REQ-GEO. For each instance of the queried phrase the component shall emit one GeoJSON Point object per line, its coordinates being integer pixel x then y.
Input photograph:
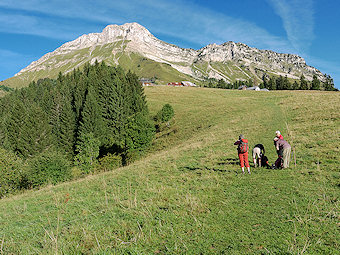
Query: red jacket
{"type": "Point", "coordinates": [238, 142]}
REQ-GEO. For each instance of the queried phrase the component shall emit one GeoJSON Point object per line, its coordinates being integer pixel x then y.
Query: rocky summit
{"type": "Point", "coordinates": [134, 47]}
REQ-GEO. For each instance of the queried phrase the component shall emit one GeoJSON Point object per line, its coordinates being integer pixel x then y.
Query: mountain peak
{"type": "Point", "coordinates": [126, 30]}
{"type": "Point", "coordinates": [228, 61]}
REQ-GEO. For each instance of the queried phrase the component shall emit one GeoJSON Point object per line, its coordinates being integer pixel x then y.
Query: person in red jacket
{"type": "Point", "coordinates": [278, 134]}
{"type": "Point", "coordinates": [242, 150]}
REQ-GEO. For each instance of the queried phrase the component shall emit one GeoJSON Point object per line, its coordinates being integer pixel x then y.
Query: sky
{"type": "Point", "coordinates": [310, 28]}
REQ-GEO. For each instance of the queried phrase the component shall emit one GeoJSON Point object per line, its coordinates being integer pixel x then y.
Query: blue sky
{"type": "Point", "coordinates": [309, 28]}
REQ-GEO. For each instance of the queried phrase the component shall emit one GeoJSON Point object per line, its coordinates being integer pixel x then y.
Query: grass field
{"type": "Point", "coordinates": [188, 195]}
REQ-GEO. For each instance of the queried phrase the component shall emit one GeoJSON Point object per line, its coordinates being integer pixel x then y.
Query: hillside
{"type": "Point", "coordinates": [135, 48]}
{"type": "Point", "coordinates": [190, 197]}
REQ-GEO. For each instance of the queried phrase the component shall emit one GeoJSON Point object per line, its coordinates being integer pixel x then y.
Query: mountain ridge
{"type": "Point", "coordinates": [229, 61]}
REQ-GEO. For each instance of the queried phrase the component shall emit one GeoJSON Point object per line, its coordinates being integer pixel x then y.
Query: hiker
{"type": "Point", "coordinates": [258, 152]}
{"type": "Point", "coordinates": [242, 149]}
{"type": "Point", "coordinates": [283, 148]}
{"type": "Point", "coordinates": [278, 134]}
{"type": "Point", "coordinates": [278, 164]}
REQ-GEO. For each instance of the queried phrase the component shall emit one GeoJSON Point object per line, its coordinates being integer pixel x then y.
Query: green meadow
{"type": "Point", "coordinates": [188, 196]}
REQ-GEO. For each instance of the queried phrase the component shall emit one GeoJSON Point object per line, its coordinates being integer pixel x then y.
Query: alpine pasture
{"type": "Point", "coordinates": [188, 196]}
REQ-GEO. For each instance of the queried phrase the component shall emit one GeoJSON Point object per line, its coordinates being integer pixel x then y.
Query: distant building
{"type": "Point", "coordinates": [147, 81]}
{"type": "Point", "coordinates": [188, 84]}
{"type": "Point", "coordinates": [179, 84]}
{"type": "Point", "coordinates": [146, 84]}
{"type": "Point", "coordinates": [256, 88]}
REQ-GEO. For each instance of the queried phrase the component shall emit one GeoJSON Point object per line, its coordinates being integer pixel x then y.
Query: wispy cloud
{"type": "Point", "coordinates": [14, 61]}
{"type": "Point", "coordinates": [40, 26]}
{"type": "Point", "coordinates": [7, 53]}
{"type": "Point", "coordinates": [178, 18]}
{"type": "Point", "coordinates": [298, 20]}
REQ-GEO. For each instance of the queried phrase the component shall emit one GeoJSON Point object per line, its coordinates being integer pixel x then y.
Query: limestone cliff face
{"type": "Point", "coordinates": [237, 58]}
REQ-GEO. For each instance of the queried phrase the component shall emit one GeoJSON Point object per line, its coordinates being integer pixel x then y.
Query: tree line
{"type": "Point", "coordinates": [87, 117]}
{"type": "Point", "coordinates": [276, 83]}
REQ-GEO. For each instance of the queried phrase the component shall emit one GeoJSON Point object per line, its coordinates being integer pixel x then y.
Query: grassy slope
{"type": "Point", "coordinates": [190, 197]}
{"type": "Point", "coordinates": [142, 66]}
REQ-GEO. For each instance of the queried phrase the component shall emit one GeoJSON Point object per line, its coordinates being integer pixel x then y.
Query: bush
{"type": "Point", "coordinates": [132, 156]}
{"type": "Point", "coordinates": [49, 167]}
{"type": "Point", "coordinates": [11, 173]}
{"type": "Point", "coordinates": [163, 118]}
{"type": "Point", "coordinates": [109, 162]}
{"type": "Point", "coordinates": [165, 114]}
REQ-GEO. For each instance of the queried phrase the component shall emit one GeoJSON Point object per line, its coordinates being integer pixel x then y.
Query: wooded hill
{"type": "Point", "coordinates": [79, 117]}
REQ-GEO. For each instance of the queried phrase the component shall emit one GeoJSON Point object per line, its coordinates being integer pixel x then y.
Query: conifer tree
{"type": "Point", "coordinates": [138, 102]}
{"type": "Point", "coordinates": [315, 83]}
{"type": "Point", "coordinates": [67, 127]}
{"type": "Point", "coordinates": [28, 130]}
{"type": "Point", "coordinates": [303, 83]}
{"type": "Point", "coordinates": [295, 85]}
{"type": "Point", "coordinates": [87, 149]}
{"type": "Point", "coordinates": [139, 133]}
{"type": "Point", "coordinates": [279, 83]}
{"type": "Point", "coordinates": [286, 83]}
{"type": "Point", "coordinates": [271, 84]}
{"type": "Point", "coordinates": [13, 121]}
{"type": "Point", "coordinates": [91, 116]}
{"type": "Point", "coordinates": [329, 84]}
{"type": "Point", "coordinates": [265, 82]}
{"type": "Point", "coordinates": [81, 86]}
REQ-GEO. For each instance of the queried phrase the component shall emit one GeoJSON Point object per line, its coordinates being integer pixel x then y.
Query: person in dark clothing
{"type": "Point", "coordinates": [278, 163]}
{"type": "Point", "coordinates": [284, 147]}
{"type": "Point", "coordinates": [264, 162]}
{"type": "Point", "coordinates": [258, 151]}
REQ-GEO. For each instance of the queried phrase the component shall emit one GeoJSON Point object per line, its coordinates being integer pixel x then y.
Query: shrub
{"type": "Point", "coordinates": [48, 167]}
{"type": "Point", "coordinates": [165, 114]}
{"type": "Point", "coordinates": [11, 173]}
{"type": "Point", "coordinates": [132, 156]}
{"type": "Point", "coordinates": [109, 162]}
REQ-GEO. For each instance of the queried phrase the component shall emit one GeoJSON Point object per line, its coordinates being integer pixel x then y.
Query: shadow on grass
{"type": "Point", "coordinates": [215, 169]}
{"type": "Point", "coordinates": [229, 161]}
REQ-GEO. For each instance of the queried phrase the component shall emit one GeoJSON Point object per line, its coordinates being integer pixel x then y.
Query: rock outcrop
{"type": "Point", "coordinates": [238, 60]}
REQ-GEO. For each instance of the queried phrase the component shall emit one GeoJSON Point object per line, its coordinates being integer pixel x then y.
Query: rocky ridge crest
{"type": "Point", "coordinates": [136, 38]}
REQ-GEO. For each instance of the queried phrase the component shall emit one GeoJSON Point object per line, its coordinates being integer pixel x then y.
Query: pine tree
{"type": "Point", "coordinates": [303, 83]}
{"type": "Point", "coordinates": [286, 84]}
{"type": "Point", "coordinates": [67, 128]}
{"type": "Point", "coordinates": [81, 87]}
{"type": "Point", "coordinates": [271, 84]}
{"type": "Point", "coordinates": [138, 102]}
{"type": "Point", "coordinates": [28, 130]}
{"type": "Point", "coordinates": [328, 84]}
{"type": "Point", "coordinates": [139, 133]}
{"type": "Point", "coordinates": [315, 83]}
{"type": "Point", "coordinates": [91, 116]}
{"type": "Point", "coordinates": [295, 85]}
{"type": "Point", "coordinates": [279, 83]}
{"type": "Point", "coordinates": [264, 81]}
{"type": "Point", "coordinates": [13, 121]}
{"type": "Point", "coordinates": [87, 149]}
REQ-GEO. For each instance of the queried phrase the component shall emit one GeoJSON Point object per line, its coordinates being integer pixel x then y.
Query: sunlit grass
{"type": "Point", "coordinates": [188, 196]}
